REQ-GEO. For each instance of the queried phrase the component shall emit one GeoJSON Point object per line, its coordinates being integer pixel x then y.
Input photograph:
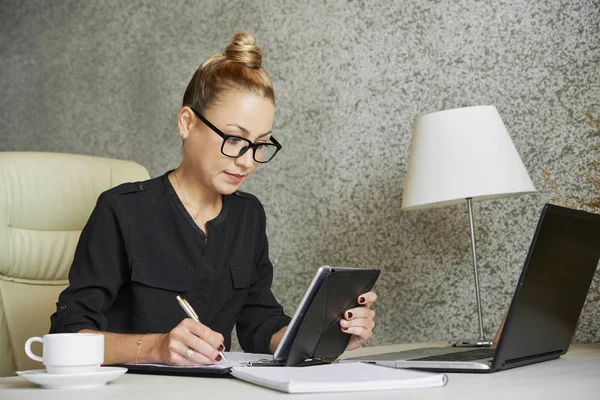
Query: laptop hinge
{"type": "Point", "coordinates": [537, 357]}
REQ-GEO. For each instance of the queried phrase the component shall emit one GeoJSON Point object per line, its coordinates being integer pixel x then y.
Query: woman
{"type": "Point", "coordinates": [190, 232]}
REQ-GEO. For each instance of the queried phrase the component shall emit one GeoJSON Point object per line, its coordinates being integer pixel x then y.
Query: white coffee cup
{"type": "Point", "coordinates": [69, 353]}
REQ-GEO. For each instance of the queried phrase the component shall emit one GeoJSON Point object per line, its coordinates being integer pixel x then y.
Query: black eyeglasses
{"type": "Point", "coordinates": [235, 146]}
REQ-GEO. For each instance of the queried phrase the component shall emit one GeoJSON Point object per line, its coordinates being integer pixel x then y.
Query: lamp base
{"type": "Point", "coordinates": [470, 343]}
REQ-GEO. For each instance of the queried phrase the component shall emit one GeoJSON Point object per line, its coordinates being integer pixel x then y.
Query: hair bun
{"type": "Point", "coordinates": [243, 49]}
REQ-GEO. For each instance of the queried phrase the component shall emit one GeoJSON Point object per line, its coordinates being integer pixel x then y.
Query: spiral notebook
{"type": "Point", "coordinates": [350, 377]}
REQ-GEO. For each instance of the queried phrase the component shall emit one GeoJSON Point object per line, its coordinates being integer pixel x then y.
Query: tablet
{"type": "Point", "coordinates": [314, 331]}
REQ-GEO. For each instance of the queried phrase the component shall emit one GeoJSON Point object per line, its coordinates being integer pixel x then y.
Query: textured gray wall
{"type": "Point", "coordinates": [106, 78]}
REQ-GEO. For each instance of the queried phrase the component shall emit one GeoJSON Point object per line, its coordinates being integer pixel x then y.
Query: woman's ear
{"type": "Point", "coordinates": [185, 122]}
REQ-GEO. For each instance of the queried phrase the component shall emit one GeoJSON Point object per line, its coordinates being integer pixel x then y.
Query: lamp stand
{"type": "Point", "coordinates": [481, 342]}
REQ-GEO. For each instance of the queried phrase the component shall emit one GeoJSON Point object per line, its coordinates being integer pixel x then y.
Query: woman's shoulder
{"type": "Point", "coordinates": [136, 187]}
{"type": "Point", "coordinates": [245, 195]}
{"type": "Point", "coordinates": [130, 194]}
{"type": "Point", "coordinates": [246, 201]}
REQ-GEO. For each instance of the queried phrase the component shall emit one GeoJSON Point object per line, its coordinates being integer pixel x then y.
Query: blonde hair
{"type": "Point", "coordinates": [238, 68]}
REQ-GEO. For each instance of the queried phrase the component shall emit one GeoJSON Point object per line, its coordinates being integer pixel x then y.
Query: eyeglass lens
{"type": "Point", "coordinates": [235, 147]}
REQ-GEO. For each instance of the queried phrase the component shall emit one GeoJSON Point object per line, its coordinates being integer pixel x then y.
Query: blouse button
{"type": "Point", "coordinates": [63, 307]}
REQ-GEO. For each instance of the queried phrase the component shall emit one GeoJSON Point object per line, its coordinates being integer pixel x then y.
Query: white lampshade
{"type": "Point", "coordinates": [459, 154]}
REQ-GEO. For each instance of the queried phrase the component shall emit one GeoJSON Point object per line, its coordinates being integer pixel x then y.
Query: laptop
{"type": "Point", "coordinates": [545, 307]}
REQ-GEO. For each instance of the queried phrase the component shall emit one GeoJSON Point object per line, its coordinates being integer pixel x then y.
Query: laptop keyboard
{"type": "Point", "coordinates": [467, 355]}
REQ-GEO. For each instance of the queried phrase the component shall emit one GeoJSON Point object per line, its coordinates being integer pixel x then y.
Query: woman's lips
{"type": "Point", "coordinates": [235, 177]}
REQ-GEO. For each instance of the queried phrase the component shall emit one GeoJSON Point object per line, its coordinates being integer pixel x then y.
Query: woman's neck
{"type": "Point", "coordinates": [195, 196]}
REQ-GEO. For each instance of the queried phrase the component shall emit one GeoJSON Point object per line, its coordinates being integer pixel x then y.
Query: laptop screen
{"type": "Point", "coordinates": [553, 286]}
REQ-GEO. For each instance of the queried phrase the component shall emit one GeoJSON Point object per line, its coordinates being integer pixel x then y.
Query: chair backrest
{"type": "Point", "coordinates": [45, 200]}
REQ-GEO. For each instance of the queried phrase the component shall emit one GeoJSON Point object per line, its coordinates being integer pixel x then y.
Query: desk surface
{"type": "Point", "coordinates": [575, 375]}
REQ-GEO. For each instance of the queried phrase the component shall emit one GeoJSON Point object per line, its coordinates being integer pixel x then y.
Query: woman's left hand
{"type": "Point", "coordinates": [359, 321]}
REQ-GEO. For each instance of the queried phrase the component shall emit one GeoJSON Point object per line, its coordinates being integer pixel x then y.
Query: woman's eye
{"type": "Point", "coordinates": [233, 140]}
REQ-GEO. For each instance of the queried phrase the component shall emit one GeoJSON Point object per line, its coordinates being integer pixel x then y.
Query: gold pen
{"type": "Point", "coordinates": [192, 314]}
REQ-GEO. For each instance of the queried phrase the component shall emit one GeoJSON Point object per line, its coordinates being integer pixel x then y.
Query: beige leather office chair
{"type": "Point", "coordinates": [45, 200]}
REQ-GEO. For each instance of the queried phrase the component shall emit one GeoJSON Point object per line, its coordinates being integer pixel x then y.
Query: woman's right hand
{"type": "Point", "coordinates": [189, 334]}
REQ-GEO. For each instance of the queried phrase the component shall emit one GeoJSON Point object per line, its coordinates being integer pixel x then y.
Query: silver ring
{"type": "Point", "coordinates": [189, 353]}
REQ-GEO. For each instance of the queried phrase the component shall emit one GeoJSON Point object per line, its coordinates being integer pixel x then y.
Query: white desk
{"type": "Point", "coordinates": [574, 376]}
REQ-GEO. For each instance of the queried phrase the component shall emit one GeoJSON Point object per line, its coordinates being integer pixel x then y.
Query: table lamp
{"type": "Point", "coordinates": [461, 156]}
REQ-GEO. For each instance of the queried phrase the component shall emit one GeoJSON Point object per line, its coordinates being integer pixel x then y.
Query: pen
{"type": "Point", "coordinates": [192, 314]}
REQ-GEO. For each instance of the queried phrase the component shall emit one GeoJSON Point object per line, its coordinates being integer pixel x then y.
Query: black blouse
{"type": "Point", "coordinates": [140, 248]}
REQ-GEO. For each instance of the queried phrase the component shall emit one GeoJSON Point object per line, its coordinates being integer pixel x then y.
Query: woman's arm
{"type": "Point", "coordinates": [164, 348]}
{"type": "Point", "coordinates": [261, 314]}
{"type": "Point", "coordinates": [276, 339]}
{"type": "Point", "coordinates": [122, 348]}
{"type": "Point", "coordinates": [98, 272]}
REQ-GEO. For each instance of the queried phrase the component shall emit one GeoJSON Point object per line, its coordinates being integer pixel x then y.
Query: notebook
{"type": "Point", "coordinates": [545, 308]}
{"type": "Point", "coordinates": [337, 378]}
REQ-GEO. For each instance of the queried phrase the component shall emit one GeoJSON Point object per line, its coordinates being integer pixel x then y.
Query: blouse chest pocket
{"type": "Point", "coordinates": [174, 278]}
{"type": "Point", "coordinates": [240, 275]}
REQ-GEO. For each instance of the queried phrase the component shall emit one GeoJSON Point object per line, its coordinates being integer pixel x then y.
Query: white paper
{"type": "Point", "coordinates": [338, 378]}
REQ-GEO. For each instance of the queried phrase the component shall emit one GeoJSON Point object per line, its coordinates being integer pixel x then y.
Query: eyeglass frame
{"type": "Point", "coordinates": [251, 145]}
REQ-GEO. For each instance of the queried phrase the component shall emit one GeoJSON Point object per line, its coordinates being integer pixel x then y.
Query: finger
{"type": "Point", "coordinates": [360, 333]}
{"type": "Point", "coordinates": [202, 347]}
{"type": "Point", "coordinates": [197, 359]}
{"type": "Point", "coordinates": [214, 339]}
{"type": "Point", "coordinates": [367, 323]}
{"type": "Point", "coordinates": [367, 299]}
{"type": "Point", "coordinates": [177, 352]}
{"type": "Point", "coordinates": [187, 332]}
{"type": "Point", "coordinates": [359, 312]}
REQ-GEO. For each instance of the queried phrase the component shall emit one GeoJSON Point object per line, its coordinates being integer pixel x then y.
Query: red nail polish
{"type": "Point", "coordinates": [344, 329]}
{"type": "Point", "coordinates": [349, 314]}
{"type": "Point", "coordinates": [218, 358]}
{"type": "Point", "coordinates": [221, 348]}
{"type": "Point", "coordinates": [361, 300]}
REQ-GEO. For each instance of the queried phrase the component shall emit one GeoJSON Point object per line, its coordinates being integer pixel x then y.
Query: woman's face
{"type": "Point", "coordinates": [238, 113]}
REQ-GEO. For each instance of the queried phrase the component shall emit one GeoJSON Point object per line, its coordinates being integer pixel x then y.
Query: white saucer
{"type": "Point", "coordinates": [72, 381]}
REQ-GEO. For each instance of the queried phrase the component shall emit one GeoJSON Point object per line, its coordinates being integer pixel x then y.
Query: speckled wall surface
{"type": "Point", "coordinates": [106, 78]}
